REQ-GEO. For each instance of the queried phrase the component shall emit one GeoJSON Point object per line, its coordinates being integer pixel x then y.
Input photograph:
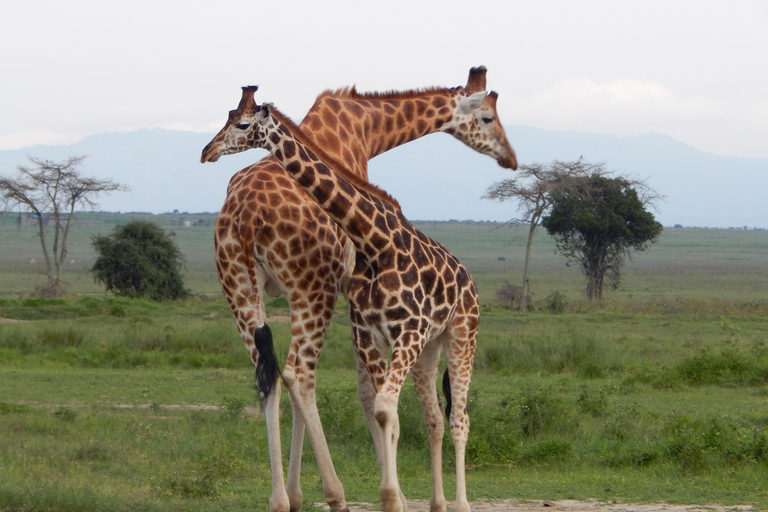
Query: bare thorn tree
{"type": "Point", "coordinates": [51, 191]}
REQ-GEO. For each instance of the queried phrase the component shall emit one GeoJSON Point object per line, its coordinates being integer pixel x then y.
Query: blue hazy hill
{"type": "Point", "coordinates": [434, 178]}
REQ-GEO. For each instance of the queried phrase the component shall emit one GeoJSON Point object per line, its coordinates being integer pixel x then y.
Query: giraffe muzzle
{"type": "Point", "coordinates": [509, 162]}
{"type": "Point", "coordinates": [209, 154]}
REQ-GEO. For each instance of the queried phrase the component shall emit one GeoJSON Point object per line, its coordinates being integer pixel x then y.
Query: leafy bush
{"type": "Point", "coordinates": [733, 365]}
{"type": "Point", "coordinates": [139, 260]}
{"type": "Point", "coordinates": [555, 302]}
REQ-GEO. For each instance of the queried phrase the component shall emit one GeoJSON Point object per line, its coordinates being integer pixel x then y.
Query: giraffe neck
{"type": "Point", "coordinates": [363, 126]}
{"type": "Point", "coordinates": [357, 206]}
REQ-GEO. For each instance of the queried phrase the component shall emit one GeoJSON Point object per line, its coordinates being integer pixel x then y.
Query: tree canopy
{"type": "Point", "coordinates": [535, 188]}
{"type": "Point", "coordinates": [597, 222]}
{"type": "Point", "coordinates": [140, 260]}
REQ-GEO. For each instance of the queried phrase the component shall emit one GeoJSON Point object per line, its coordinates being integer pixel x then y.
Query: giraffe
{"type": "Point", "coordinates": [272, 238]}
{"type": "Point", "coordinates": [408, 295]}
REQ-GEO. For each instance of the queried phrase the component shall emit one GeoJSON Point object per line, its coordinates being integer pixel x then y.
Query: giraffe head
{"type": "Point", "coordinates": [239, 133]}
{"type": "Point", "coordinates": [476, 123]}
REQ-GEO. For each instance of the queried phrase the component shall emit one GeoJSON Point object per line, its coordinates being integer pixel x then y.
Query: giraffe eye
{"type": "Point", "coordinates": [242, 126]}
{"type": "Point", "coordinates": [487, 120]}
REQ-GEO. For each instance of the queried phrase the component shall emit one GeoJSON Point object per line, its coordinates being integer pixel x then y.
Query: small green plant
{"type": "Point", "coordinates": [67, 338]}
{"type": "Point", "coordinates": [544, 411]}
{"type": "Point", "coordinates": [593, 402]}
{"type": "Point", "coordinates": [91, 453]}
{"type": "Point", "coordinates": [546, 451]}
{"type": "Point", "coordinates": [197, 485]}
{"type": "Point", "coordinates": [65, 414]}
{"type": "Point", "coordinates": [6, 408]}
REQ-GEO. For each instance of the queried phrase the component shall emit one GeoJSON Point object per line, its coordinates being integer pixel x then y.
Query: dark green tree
{"type": "Point", "coordinates": [535, 187]}
{"type": "Point", "coordinates": [140, 260]}
{"type": "Point", "coordinates": [597, 222]}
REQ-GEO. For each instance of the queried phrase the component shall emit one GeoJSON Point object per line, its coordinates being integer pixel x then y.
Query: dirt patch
{"type": "Point", "coordinates": [254, 412]}
{"type": "Point", "coordinates": [560, 506]}
{"type": "Point", "coordinates": [11, 321]}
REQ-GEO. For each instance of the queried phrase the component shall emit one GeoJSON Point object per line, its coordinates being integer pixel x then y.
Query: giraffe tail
{"type": "Point", "coordinates": [266, 366]}
{"type": "Point", "coordinates": [447, 393]}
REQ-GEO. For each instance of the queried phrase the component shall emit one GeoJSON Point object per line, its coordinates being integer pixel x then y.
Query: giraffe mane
{"type": "Point", "coordinates": [333, 164]}
{"type": "Point", "coordinates": [351, 92]}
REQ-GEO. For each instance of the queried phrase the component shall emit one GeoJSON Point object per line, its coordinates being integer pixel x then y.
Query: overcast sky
{"type": "Point", "coordinates": [695, 70]}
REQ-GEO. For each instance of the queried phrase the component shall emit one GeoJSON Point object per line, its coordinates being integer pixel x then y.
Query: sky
{"type": "Point", "coordinates": [695, 70]}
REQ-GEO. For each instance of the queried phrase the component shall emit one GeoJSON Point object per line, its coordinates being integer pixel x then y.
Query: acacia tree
{"type": "Point", "coordinates": [51, 191]}
{"type": "Point", "coordinates": [597, 222]}
{"type": "Point", "coordinates": [535, 187]}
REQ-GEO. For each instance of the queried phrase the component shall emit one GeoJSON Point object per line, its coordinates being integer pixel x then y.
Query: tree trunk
{"type": "Point", "coordinates": [524, 294]}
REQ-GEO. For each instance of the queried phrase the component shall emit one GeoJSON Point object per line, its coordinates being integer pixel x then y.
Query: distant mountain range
{"type": "Point", "coordinates": [434, 178]}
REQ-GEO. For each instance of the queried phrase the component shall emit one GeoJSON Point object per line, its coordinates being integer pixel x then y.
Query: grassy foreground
{"type": "Point", "coordinates": [133, 405]}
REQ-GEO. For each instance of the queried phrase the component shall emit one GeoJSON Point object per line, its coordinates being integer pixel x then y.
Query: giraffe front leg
{"type": "Point", "coordinates": [367, 394]}
{"type": "Point", "coordinates": [370, 364]}
{"type": "Point", "coordinates": [406, 351]}
{"type": "Point", "coordinates": [385, 412]}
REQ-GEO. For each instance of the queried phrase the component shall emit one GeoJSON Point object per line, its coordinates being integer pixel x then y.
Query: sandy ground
{"type": "Point", "coordinates": [561, 506]}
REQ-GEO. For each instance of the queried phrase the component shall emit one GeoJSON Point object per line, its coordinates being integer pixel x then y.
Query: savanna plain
{"type": "Point", "coordinates": [657, 394]}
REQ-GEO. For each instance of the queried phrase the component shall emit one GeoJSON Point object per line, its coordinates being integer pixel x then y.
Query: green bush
{"type": "Point", "coordinates": [139, 260]}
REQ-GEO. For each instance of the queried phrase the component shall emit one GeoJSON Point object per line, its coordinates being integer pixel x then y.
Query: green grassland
{"type": "Point", "coordinates": [685, 264]}
{"type": "Point", "coordinates": [659, 393]}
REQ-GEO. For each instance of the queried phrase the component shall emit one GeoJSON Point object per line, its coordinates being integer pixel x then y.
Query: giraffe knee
{"type": "Point", "coordinates": [385, 409]}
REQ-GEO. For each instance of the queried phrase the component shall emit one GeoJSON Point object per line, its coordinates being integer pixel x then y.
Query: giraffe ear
{"type": "Point", "coordinates": [265, 110]}
{"type": "Point", "coordinates": [468, 104]}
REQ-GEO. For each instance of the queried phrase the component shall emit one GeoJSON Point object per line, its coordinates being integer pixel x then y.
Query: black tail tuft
{"type": "Point", "coordinates": [447, 393]}
{"type": "Point", "coordinates": [266, 367]}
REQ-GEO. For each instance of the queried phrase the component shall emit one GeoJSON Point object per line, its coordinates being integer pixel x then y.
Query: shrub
{"type": "Point", "coordinates": [508, 293]}
{"type": "Point", "coordinates": [139, 260]}
{"type": "Point", "coordinates": [555, 302]}
{"type": "Point", "coordinates": [544, 411]}
{"type": "Point", "coordinates": [546, 451]}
